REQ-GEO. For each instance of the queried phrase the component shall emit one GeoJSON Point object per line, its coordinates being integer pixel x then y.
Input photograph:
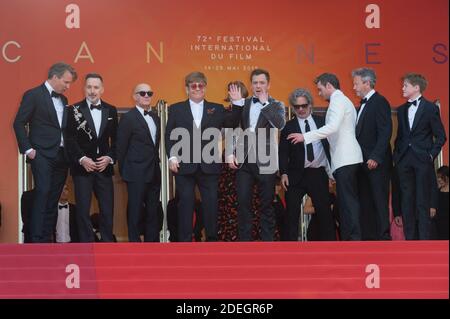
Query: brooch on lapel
{"type": "Point", "coordinates": [210, 111]}
{"type": "Point", "coordinates": [81, 124]}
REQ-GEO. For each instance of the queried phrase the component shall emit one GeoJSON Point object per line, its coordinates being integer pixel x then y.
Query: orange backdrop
{"type": "Point", "coordinates": [160, 41]}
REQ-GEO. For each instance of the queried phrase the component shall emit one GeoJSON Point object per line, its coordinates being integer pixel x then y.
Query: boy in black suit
{"type": "Point", "coordinates": [420, 137]}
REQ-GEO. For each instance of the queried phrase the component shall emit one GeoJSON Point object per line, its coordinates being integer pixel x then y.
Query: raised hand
{"type": "Point", "coordinates": [235, 93]}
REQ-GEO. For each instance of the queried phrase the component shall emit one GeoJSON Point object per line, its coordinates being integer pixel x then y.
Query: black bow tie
{"type": "Point", "coordinates": [256, 100]}
{"type": "Point", "coordinates": [98, 107]}
{"type": "Point", "coordinates": [149, 113]}
{"type": "Point", "coordinates": [364, 100]}
{"type": "Point", "coordinates": [415, 102]}
{"type": "Point", "coordinates": [57, 95]}
{"type": "Point", "coordinates": [63, 206]}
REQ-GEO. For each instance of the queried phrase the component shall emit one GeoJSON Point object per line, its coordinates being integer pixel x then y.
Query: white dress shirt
{"type": "Point", "coordinates": [255, 111]}
{"type": "Point", "coordinates": [339, 128]}
{"type": "Point", "coordinates": [96, 116]}
{"type": "Point", "coordinates": [150, 123]}
{"type": "Point", "coordinates": [367, 97]}
{"type": "Point", "coordinates": [412, 110]}
{"type": "Point", "coordinates": [63, 224]}
{"type": "Point", "coordinates": [197, 112]}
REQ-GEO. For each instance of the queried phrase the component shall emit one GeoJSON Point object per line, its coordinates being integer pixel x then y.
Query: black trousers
{"type": "Point", "coordinates": [373, 188]}
{"type": "Point", "coordinates": [185, 188]}
{"type": "Point", "coordinates": [314, 182]}
{"type": "Point", "coordinates": [143, 204]}
{"type": "Point", "coordinates": [347, 194]}
{"type": "Point", "coordinates": [415, 196]}
{"type": "Point", "coordinates": [103, 189]}
{"type": "Point", "coordinates": [49, 177]}
{"type": "Point", "coordinates": [246, 177]}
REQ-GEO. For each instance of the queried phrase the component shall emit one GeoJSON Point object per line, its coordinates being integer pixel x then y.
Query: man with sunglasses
{"type": "Point", "coordinates": [346, 155]}
{"type": "Point", "coordinates": [91, 145]}
{"type": "Point", "coordinates": [304, 168]}
{"type": "Point", "coordinates": [138, 155]}
{"type": "Point", "coordinates": [188, 163]}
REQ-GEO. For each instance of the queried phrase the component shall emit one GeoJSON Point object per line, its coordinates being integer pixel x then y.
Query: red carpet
{"type": "Point", "coordinates": [226, 270]}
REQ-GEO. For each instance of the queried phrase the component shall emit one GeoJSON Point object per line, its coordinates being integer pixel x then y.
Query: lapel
{"type": "Point", "coordinates": [419, 113]}
{"type": "Point", "coordinates": [84, 109]}
{"type": "Point", "coordinates": [206, 113]}
{"type": "Point", "coordinates": [65, 114]}
{"type": "Point", "coordinates": [157, 124]}
{"type": "Point", "coordinates": [405, 118]}
{"type": "Point", "coordinates": [50, 106]}
{"type": "Point", "coordinates": [262, 118]}
{"type": "Point", "coordinates": [363, 114]}
{"type": "Point", "coordinates": [246, 113]}
{"type": "Point", "coordinates": [104, 122]}
{"type": "Point", "coordinates": [188, 112]}
{"type": "Point", "coordinates": [143, 123]}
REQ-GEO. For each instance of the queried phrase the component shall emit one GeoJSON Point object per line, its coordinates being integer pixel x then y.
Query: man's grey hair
{"type": "Point", "coordinates": [300, 93]}
{"type": "Point", "coordinates": [366, 74]}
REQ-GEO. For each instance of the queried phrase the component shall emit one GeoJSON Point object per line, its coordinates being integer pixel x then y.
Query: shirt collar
{"type": "Point", "coordinates": [49, 87]}
{"type": "Point", "coordinates": [417, 98]}
{"type": "Point", "coordinates": [89, 103]}
{"type": "Point", "coordinates": [369, 95]}
{"type": "Point", "coordinates": [196, 104]}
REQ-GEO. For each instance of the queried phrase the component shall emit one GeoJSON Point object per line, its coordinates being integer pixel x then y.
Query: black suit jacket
{"type": "Point", "coordinates": [427, 135]}
{"type": "Point", "coordinates": [37, 110]}
{"type": "Point", "coordinates": [180, 116]}
{"type": "Point", "coordinates": [292, 156]}
{"type": "Point", "coordinates": [138, 156]}
{"type": "Point", "coordinates": [271, 116]}
{"type": "Point", "coordinates": [374, 130]}
{"type": "Point", "coordinates": [79, 143]}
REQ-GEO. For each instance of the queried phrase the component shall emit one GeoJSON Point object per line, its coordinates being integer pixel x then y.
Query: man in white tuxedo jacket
{"type": "Point", "coordinates": [345, 151]}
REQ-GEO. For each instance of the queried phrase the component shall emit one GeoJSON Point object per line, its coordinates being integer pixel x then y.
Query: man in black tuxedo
{"type": "Point", "coordinates": [373, 132]}
{"type": "Point", "coordinates": [138, 154]}
{"type": "Point", "coordinates": [91, 145]}
{"type": "Point", "coordinates": [256, 154]}
{"type": "Point", "coordinates": [420, 137]}
{"type": "Point", "coordinates": [187, 154]}
{"type": "Point", "coordinates": [43, 109]}
{"type": "Point", "coordinates": [303, 168]}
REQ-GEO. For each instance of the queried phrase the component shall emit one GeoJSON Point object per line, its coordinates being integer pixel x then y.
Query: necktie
{"type": "Point", "coordinates": [309, 147]}
{"type": "Point", "coordinates": [98, 107]}
{"type": "Point", "coordinates": [255, 100]}
{"type": "Point", "coordinates": [147, 113]}
{"type": "Point", "coordinates": [63, 206]}
{"type": "Point", "coordinates": [57, 95]}
{"type": "Point", "coordinates": [363, 101]}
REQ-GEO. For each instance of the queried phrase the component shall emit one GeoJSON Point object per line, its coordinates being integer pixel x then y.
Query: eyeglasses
{"type": "Point", "coordinates": [144, 93]}
{"type": "Point", "coordinates": [197, 86]}
{"type": "Point", "coordinates": [303, 106]}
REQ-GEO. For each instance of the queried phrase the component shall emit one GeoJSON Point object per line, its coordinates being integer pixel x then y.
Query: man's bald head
{"type": "Point", "coordinates": [142, 94]}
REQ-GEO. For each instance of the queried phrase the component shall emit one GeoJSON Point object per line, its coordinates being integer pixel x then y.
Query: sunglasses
{"type": "Point", "coordinates": [197, 86]}
{"type": "Point", "coordinates": [144, 93]}
{"type": "Point", "coordinates": [303, 106]}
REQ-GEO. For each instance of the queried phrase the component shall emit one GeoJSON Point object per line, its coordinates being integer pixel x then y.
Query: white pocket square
{"type": "Point", "coordinates": [110, 118]}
